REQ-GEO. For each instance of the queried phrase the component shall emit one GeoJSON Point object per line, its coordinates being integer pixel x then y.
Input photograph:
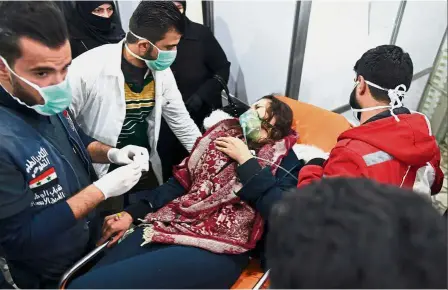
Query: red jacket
{"type": "Point", "coordinates": [400, 153]}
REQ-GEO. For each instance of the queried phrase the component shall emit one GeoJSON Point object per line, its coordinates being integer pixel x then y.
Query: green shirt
{"type": "Point", "coordinates": [139, 92]}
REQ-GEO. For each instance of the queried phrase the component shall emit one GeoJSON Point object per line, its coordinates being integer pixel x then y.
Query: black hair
{"type": "Point", "coordinates": [283, 121]}
{"type": "Point", "coordinates": [41, 21]}
{"type": "Point", "coordinates": [355, 233]}
{"type": "Point", "coordinates": [153, 19]}
{"type": "Point", "coordinates": [387, 66]}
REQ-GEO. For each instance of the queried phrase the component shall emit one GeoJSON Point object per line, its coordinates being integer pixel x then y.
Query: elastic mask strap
{"type": "Point", "coordinates": [34, 86]}
{"type": "Point", "coordinates": [14, 73]}
{"type": "Point", "coordinates": [370, 109]}
{"type": "Point", "coordinates": [139, 37]}
{"type": "Point", "coordinates": [142, 38]}
{"type": "Point", "coordinates": [394, 95]}
{"type": "Point", "coordinates": [133, 54]}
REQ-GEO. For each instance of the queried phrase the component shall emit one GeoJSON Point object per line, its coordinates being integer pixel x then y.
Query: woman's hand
{"type": "Point", "coordinates": [115, 224]}
{"type": "Point", "coordinates": [234, 148]}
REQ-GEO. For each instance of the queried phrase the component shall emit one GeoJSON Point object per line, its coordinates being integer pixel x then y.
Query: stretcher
{"type": "Point", "coordinates": [315, 126]}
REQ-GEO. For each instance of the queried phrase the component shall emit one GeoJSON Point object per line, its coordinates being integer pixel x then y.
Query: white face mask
{"type": "Point", "coordinates": [395, 96]}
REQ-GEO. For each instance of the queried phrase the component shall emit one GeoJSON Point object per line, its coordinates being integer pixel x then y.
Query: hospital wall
{"type": "Point", "coordinates": [335, 42]}
{"type": "Point", "coordinates": [257, 35]}
{"type": "Point", "coordinates": [257, 38]}
{"type": "Point", "coordinates": [194, 11]}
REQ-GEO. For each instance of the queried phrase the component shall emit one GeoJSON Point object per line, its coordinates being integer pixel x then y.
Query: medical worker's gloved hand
{"type": "Point", "coordinates": [119, 181]}
{"type": "Point", "coordinates": [143, 161]}
{"type": "Point", "coordinates": [127, 154]}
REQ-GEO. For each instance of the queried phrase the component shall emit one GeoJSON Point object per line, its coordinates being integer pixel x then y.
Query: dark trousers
{"type": "Point", "coordinates": [26, 277]}
{"type": "Point", "coordinates": [130, 266]}
{"type": "Point", "coordinates": [170, 150]}
{"type": "Point", "coordinates": [116, 204]}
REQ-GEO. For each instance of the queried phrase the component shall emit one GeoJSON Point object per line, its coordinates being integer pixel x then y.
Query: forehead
{"type": "Point", "coordinates": [34, 53]}
{"type": "Point", "coordinates": [263, 103]}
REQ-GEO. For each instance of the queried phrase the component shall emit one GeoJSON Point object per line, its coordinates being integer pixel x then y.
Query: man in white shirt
{"type": "Point", "coordinates": [121, 91]}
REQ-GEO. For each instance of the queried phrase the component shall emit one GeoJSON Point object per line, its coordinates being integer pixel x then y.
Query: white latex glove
{"type": "Point", "coordinates": [143, 161]}
{"type": "Point", "coordinates": [119, 181]}
{"type": "Point", "coordinates": [127, 154]}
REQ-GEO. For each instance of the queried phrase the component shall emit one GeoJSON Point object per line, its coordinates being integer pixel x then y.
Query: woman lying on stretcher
{"type": "Point", "coordinates": [197, 229]}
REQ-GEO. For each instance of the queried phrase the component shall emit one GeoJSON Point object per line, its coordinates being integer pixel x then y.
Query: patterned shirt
{"type": "Point", "coordinates": [138, 107]}
{"type": "Point", "coordinates": [139, 91]}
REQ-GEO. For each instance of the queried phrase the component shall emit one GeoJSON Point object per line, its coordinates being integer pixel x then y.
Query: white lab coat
{"type": "Point", "coordinates": [99, 107]}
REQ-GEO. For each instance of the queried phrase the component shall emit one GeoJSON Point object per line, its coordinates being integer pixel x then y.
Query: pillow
{"type": "Point", "coordinates": [316, 126]}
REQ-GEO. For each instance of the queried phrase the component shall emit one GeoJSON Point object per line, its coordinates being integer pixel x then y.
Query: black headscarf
{"type": "Point", "coordinates": [91, 29]}
{"type": "Point", "coordinates": [184, 4]}
{"type": "Point", "coordinates": [187, 21]}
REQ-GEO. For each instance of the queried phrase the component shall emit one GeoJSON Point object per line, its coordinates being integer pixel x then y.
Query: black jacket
{"type": "Point", "coordinates": [199, 58]}
{"type": "Point", "coordinates": [260, 189]}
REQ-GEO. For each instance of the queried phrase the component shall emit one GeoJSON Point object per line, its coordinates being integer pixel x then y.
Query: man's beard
{"type": "Point", "coordinates": [21, 93]}
{"type": "Point", "coordinates": [148, 53]}
{"type": "Point", "coordinates": [353, 102]}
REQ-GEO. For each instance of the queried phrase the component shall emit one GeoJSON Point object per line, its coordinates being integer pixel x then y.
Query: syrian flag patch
{"type": "Point", "coordinates": [69, 120]}
{"type": "Point", "coordinates": [45, 180]}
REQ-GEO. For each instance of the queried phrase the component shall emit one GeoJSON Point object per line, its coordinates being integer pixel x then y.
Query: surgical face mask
{"type": "Point", "coordinates": [395, 96]}
{"type": "Point", "coordinates": [164, 57]}
{"type": "Point", "coordinates": [57, 98]}
{"type": "Point", "coordinates": [251, 124]}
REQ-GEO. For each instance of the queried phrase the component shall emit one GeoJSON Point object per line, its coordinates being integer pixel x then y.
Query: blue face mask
{"type": "Point", "coordinates": [57, 97]}
{"type": "Point", "coordinates": [164, 57]}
